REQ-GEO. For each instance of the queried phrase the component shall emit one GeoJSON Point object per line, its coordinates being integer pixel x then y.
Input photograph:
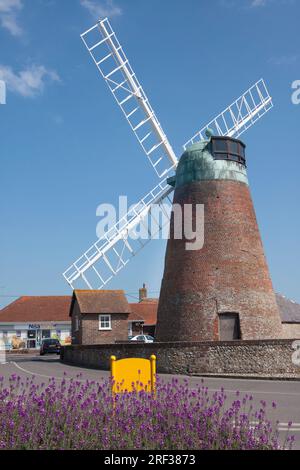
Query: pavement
{"type": "Point", "coordinates": [285, 393]}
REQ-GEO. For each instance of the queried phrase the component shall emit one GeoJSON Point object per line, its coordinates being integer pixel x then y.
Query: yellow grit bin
{"type": "Point", "coordinates": [133, 374]}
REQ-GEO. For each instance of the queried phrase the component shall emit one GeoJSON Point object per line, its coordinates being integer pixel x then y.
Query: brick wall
{"type": "Point", "coordinates": [89, 333]}
{"type": "Point", "coordinates": [270, 358]}
{"type": "Point", "coordinates": [76, 319]}
{"type": "Point", "coordinates": [291, 330]}
{"type": "Point", "coordinates": [229, 274]}
{"type": "Point", "coordinates": [92, 335]}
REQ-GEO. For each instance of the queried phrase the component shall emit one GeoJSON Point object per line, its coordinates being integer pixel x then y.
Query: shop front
{"type": "Point", "coordinates": [27, 321]}
{"type": "Point", "coordinates": [31, 335]}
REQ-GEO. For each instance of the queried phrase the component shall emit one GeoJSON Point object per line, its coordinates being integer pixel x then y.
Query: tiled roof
{"type": "Point", "coordinates": [147, 309]}
{"type": "Point", "coordinates": [289, 310]}
{"type": "Point", "coordinates": [133, 316]}
{"type": "Point", "coordinates": [57, 308]}
{"type": "Point", "coordinates": [37, 309]}
{"type": "Point", "coordinates": [102, 301]}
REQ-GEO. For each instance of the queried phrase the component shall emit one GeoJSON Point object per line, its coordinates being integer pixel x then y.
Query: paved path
{"type": "Point", "coordinates": [286, 394]}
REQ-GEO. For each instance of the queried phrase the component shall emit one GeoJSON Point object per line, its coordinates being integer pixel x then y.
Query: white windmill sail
{"type": "Point", "coordinates": [240, 115]}
{"type": "Point", "coordinates": [111, 61]}
{"type": "Point", "coordinates": [111, 253]}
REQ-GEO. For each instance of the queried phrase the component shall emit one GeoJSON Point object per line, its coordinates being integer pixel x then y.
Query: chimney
{"type": "Point", "coordinates": [143, 293]}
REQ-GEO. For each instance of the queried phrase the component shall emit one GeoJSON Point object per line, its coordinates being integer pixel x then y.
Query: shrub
{"type": "Point", "coordinates": [77, 414]}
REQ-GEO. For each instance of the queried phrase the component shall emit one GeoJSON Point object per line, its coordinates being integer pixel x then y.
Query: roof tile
{"type": "Point", "coordinates": [102, 301]}
{"type": "Point", "coordinates": [147, 310]}
{"type": "Point", "coordinates": [37, 309]}
{"type": "Point", "coordinates": [289, 310]}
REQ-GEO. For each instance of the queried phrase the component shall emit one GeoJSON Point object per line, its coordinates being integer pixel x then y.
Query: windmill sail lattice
{"type": "Point", "coordinates": [111, 253]}
{"type": "Point", "coordinates": [112, 63]}
{"type": "Point", "coordinates": [240, 115]}
{"type": "Point", "coordinates": [95, 267]}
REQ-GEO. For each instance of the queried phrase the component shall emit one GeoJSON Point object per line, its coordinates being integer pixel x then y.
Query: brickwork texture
{"type": "Point", "coordinates": [229, 274]}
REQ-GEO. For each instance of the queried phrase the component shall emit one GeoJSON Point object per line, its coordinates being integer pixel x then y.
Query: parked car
{"type": "Point", "coordinates": [50, 346]}
{"type": "Point", "coordinates": [143, 338]}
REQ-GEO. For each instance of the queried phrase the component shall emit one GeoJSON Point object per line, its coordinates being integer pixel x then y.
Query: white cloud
{"type": "Point", "coordinates": [9, 10]}
{"type": "Point", "coordinates": [101, 9]}
{"type": "Point", "coordinates": [29, 82]}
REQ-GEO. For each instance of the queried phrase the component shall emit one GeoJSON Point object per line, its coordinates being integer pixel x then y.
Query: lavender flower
{"type": "Point", "coordinates": [73, 414]}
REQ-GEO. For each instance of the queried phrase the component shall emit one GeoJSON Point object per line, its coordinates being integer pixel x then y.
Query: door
{"type": "Point", "coordinates": [31, 342]}
{"type": "Point", "coordinates": [38, 338]}
{"type": "Point", "coordinates": [229, 326]}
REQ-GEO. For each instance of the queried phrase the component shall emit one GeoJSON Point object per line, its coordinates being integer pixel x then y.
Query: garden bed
{"type": "Point", "coordinates": [77, 414]}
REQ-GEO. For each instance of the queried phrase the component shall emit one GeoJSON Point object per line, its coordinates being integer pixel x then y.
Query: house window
{"type": "Point", "coordinates": [104, 322]}
{"type": "Point", "coordinates": [76, 323]}
{"type": "Point", "coordinates": [229, 326]}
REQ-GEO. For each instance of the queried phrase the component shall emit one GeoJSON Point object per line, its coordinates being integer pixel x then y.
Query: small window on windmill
{"type": "Point", "coordinates": [242, 150]}
{"type": "Point", "coordinates": [234, 147]}
{"type": "Point", "coordinates": [220, 146]}
{"type": "Point", "coordinates": [229, 326]}
{"type": "Point", "coordinates": [225, 148]}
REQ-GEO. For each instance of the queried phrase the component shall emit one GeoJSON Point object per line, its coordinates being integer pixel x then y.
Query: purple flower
{"type": "Point", "coordinates": [73, 414]}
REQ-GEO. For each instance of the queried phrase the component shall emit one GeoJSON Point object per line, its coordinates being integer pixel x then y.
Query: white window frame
{"type": "Point", "coordinates": [104, 328]}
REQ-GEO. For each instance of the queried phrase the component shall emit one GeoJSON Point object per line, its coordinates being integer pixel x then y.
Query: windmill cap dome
{"type": "Point", "coordinates": [209, 132]}
{"type": "Point", "coordinates": [209, 160]}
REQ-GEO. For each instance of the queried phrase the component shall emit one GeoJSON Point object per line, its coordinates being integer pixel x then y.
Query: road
{"type": "Point", "coordinates": [286, 394]}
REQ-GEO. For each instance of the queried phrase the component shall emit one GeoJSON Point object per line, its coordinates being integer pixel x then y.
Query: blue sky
{"type": "Point", "coordinates": [66, 148]}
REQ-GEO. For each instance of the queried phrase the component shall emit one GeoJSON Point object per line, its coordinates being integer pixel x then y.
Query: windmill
{"type": "Point", "coordinates": [111, 253]}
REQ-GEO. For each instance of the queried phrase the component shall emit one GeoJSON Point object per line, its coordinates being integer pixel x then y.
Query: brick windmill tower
{"type": "Point", "coordinates": [223, 290]}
